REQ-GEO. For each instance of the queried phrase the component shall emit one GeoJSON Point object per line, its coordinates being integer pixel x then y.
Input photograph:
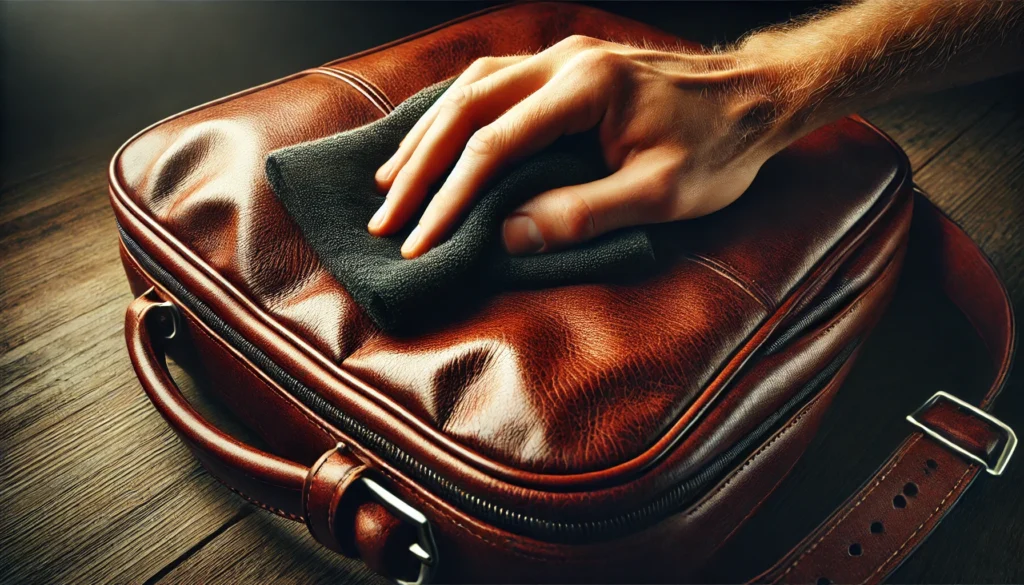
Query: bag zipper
{"type": "Point", "coordinates": [513, 521]}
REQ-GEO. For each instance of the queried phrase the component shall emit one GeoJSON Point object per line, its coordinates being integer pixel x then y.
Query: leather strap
{"type": "Point", "coordinates": [878, 527]}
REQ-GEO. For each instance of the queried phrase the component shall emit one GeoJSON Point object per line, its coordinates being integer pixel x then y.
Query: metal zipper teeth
{"type": "Point", "coordinates": [544, 529]}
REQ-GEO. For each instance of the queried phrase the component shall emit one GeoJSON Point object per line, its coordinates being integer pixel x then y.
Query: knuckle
{"type": "Point", "coordinates": [601, 62]}
{"type": "Point", "coordinates": [481, 67]}
{"type": "Point", "coordinates": [485, 142]}
{"type": "Point", "coordinates": [458, 98]}
{"type": "Point", "coordinates": [577, 218]}
{"type": "Point", "coordinates": [577, 42]}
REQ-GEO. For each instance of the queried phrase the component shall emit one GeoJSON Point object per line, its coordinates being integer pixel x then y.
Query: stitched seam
{"type": "Point", "coordinates": [839, 521]}
{"type": "Point", "coordinates": [732, 476]}
{"type": "Point", "coordinates": [305, 492]}
{"type": "Point", "coordinates": [277, 511]}
{"type": "Point", "coordinates": [131, 264]}
{"type": "Point", "coordinates": [332, 508]}
{"type": "Point", "coordinates": [832, 325]}
{"type": "Point", "coordinates": [938, 508]}
{"type": "Point", "coordinates": [418, 35]}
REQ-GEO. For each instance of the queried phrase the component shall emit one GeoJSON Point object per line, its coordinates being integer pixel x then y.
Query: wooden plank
{"type": "Point", "coordinates": [979, 182]}
{"type": "Point", "coordinates": [263, 548]}
{"type": "Point", "coordinates": [94, 485]}
{"type": "Point", "coordinates": [924, 125]}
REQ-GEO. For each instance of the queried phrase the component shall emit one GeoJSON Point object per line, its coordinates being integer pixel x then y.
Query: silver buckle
{"type": "Point", "coordinates": [1011, 437]}
{"type": "Point", "coordinates": [425, 550]}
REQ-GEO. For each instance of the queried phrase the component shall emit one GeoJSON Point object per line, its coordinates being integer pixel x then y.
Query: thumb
{"type": "Point", "coordinates": [570, 215]}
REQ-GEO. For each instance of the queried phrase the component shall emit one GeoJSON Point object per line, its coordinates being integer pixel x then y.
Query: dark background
{"type": "Point", "coordinates": [80, 78]}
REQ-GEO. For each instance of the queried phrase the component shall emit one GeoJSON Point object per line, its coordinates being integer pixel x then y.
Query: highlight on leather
{"type": "Point", "coordinates": [610, 431]}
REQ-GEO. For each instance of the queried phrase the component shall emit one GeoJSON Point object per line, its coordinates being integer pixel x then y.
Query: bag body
{"type": "Point", "coordinates": [581, 433]}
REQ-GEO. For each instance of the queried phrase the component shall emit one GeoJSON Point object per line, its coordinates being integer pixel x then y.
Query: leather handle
{"type": "Point", "coordinates": [270, 481]}
{"type": "Point", "coordinates": [326, 496]}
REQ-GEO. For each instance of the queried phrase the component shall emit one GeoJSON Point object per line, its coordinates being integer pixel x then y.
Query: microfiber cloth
{"type": "Point", "coordinates": [328, 188]}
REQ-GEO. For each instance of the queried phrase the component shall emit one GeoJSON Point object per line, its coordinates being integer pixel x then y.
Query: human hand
{"type": "Point", "coordinates": [682, 134]}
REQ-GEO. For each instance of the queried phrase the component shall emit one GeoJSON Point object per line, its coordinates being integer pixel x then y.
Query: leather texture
{"type": "Point", "coordinates": [486, 382]}
{"type": "Point", "coordinates": [578, 404]}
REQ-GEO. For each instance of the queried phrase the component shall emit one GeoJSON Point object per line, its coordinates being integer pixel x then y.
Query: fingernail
{"type": "Point", "coordinates": [522, 236]}
{"type": "Point", "coordinates": [412, 241]}
{"type": "Point", "coordinates": [384, 172]}
{"type": "Point", "coordinates": [378, 216]}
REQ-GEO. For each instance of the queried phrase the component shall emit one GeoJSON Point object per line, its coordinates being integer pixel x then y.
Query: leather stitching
{"type": "Point", "coordinates": [305, 494]}
{"type": "Point", "coordinates": [277, 511]}
{"type": "Point", "coordinates": [937, 509]}
{"type": "Point", "coordinates": [505, 545]}
{"type": "Point", "coordinates": [903, 453]}
{"type": "Point", "coordinates": [780, 434]}
{"type": "Point", "coordinates": [332, 509]}
{"type": "Point", "coordinates": [131, 263]}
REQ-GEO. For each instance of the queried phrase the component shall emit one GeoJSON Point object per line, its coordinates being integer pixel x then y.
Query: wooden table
{"type": "Point", "coordinates": [95, 487]}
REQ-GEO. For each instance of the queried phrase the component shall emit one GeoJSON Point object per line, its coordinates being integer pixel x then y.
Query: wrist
{"type": "Point", "coordinates": [764, 97]}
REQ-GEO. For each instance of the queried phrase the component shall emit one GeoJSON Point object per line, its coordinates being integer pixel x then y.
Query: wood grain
{"type": "Point", "coordinates": [94, 487]}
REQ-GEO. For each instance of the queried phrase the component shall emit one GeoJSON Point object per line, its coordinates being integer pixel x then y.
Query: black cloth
{"type": "Point", "coordinates": [328, 188]}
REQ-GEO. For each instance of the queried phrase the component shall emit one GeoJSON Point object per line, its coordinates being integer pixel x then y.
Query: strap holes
{"type": "Point", "coordinates": [932, 464]}
{"type": "Point", "coordinates": [855, 549]}
{"type": "Point", "coordinates": [824, 581]}
{"type": "Point", "coordinates": [899, 502]}
{"type": "Point", "coordinates": [910, 489]}
{"type": "Point", "coordinates": [877, 528]}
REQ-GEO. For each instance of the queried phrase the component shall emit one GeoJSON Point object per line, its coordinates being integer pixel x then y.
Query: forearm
{"type": "Point", "coordinates": [866, 53]}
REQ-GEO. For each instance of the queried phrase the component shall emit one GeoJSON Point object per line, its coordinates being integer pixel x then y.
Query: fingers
{"type": "Point", "coordinates": [640, 193]}
{"type": "Point", "coordinates": [478, 70]}
{"type": "Point", "coordinates": [529, 126]}
{"type": "Point", "coordinates": [458, 116]}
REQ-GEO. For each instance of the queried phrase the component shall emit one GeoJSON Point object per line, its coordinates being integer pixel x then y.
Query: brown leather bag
{"type": "Point", "coordinates": [583, 433]}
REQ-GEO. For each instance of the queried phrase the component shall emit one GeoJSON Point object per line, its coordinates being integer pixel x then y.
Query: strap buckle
{"type": "Point", "coordinates": [967, 430]}
{"type": "Point", "coordinates": [425, 550]}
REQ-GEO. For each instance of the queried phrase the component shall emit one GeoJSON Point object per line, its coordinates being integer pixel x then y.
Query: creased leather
{"type": "Point", "coordinates": [517, 401]}
{"type": "Point", "coordinates": [568, 380]}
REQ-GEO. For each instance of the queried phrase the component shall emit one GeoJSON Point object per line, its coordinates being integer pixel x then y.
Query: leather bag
{"type": "Point", "coordinates": [615, 432]}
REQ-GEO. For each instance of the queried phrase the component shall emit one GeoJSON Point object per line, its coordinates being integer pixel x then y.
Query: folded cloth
{"type": "Point", "coordinates": [328, 188]}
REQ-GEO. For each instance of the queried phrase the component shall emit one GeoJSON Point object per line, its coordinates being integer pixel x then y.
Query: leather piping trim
{"type": "Point", "coordinates": [366, 86]}
{"type": "Point", "coordinates": [645, 460]}
{"type": "Point", "coordinates": [360, 85]}
{"type": "Point", "coordinates": [721, 268]}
